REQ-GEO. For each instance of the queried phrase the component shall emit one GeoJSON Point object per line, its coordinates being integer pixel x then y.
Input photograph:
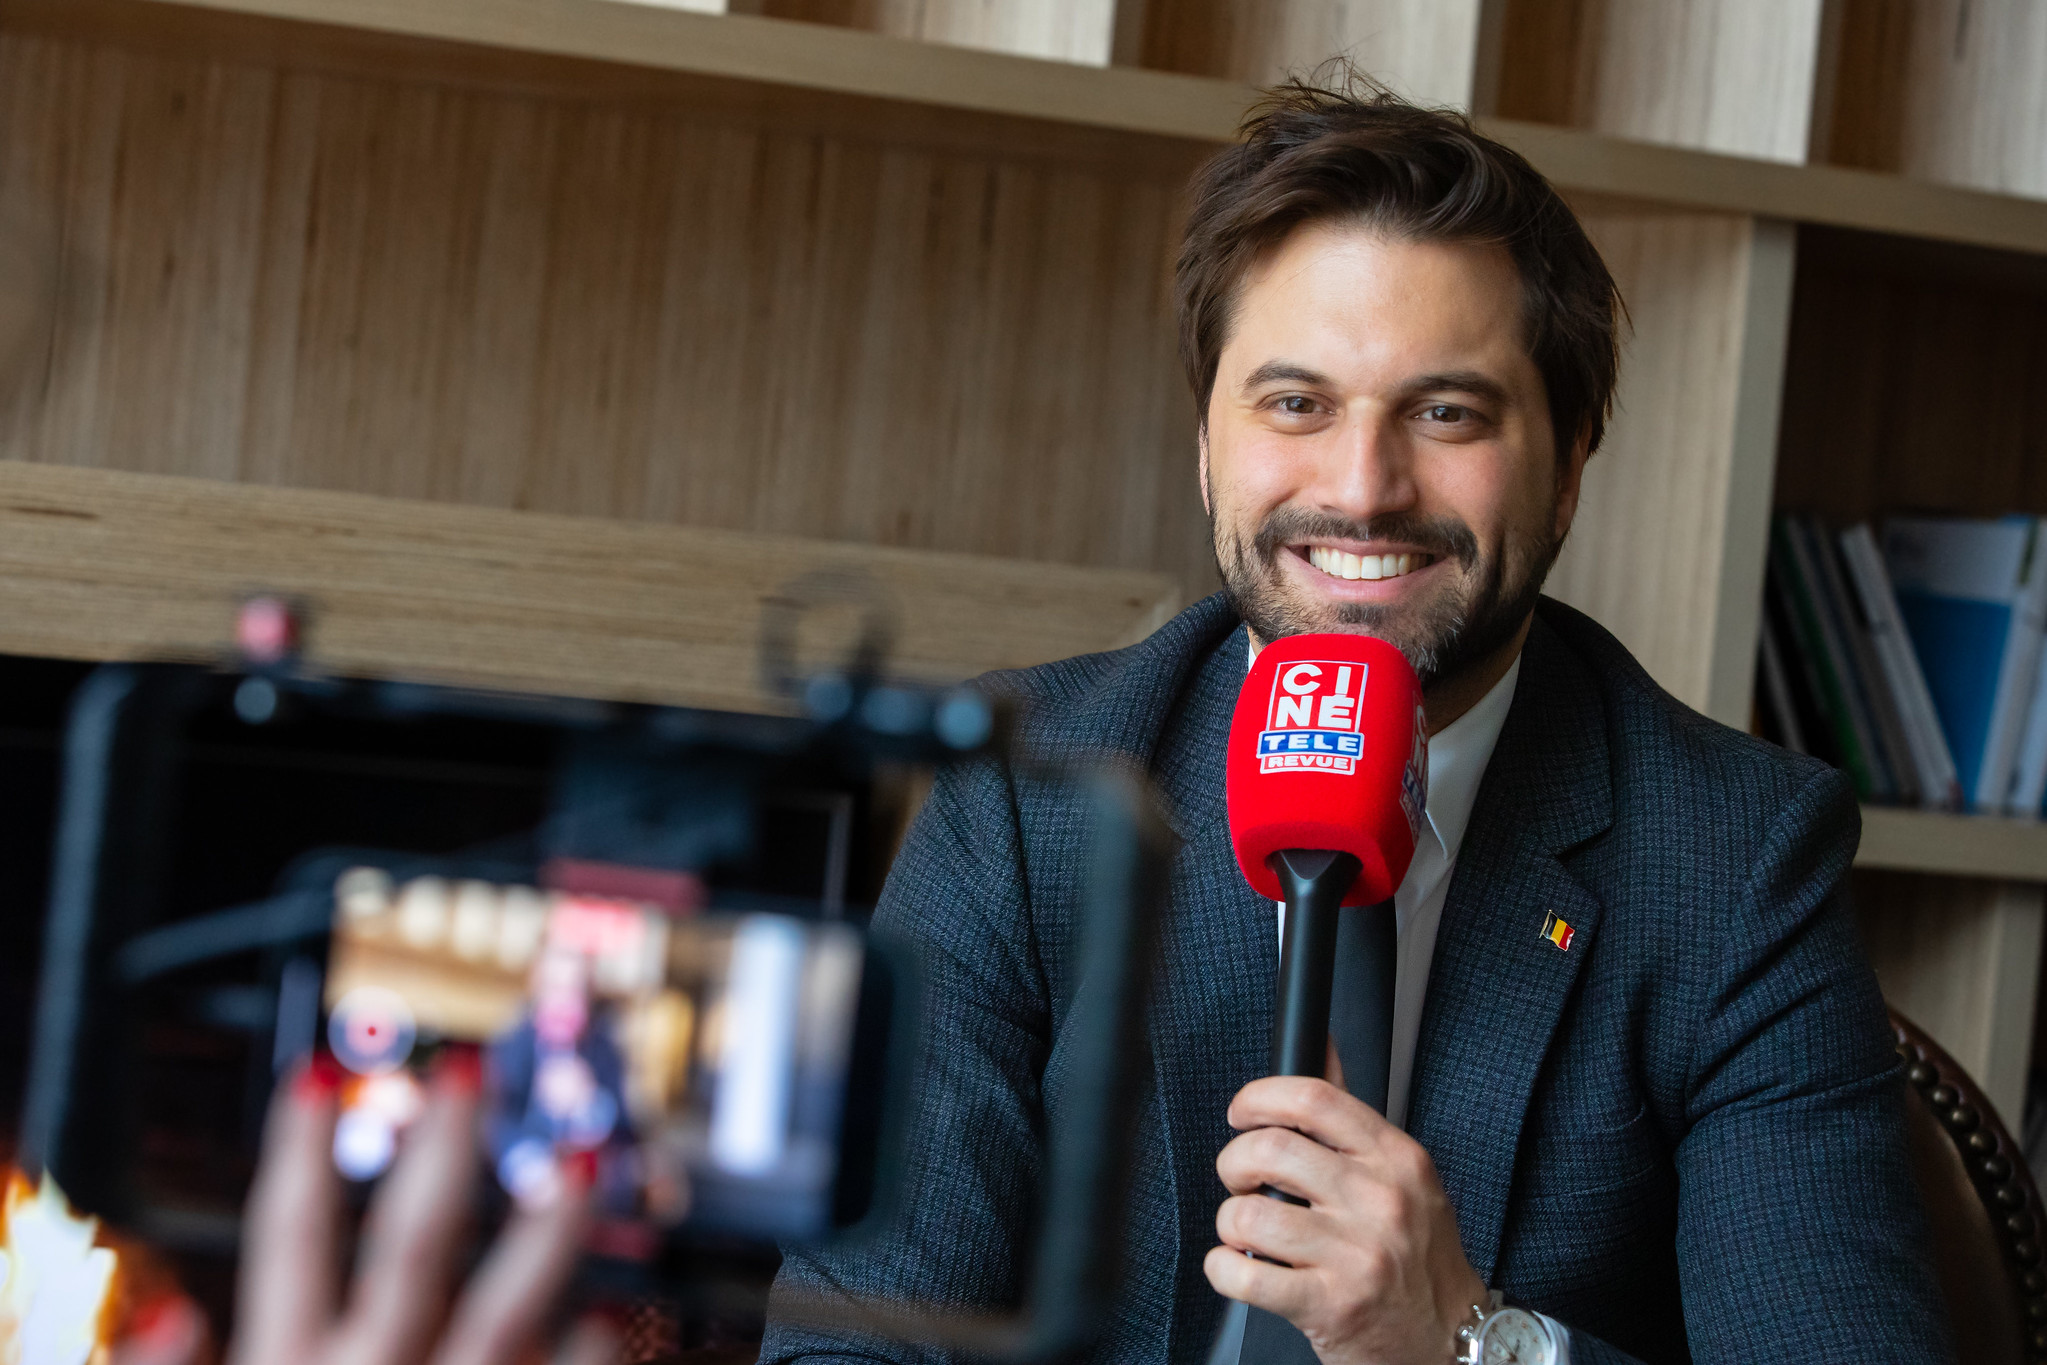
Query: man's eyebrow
{"type": "Point", "coordinates": [1275, 371]}
{"type": "Point", "coordinates": [1460, 381]}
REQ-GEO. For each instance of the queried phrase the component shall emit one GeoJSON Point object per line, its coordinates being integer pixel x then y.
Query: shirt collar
{"type": "Point", "coordinates": [1458, 755]}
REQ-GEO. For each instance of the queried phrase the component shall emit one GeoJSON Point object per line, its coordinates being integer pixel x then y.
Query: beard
{"type": "Point", "coordinates": [1441, 636]}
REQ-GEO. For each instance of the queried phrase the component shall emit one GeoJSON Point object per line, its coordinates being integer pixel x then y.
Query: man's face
{"type": "Point", "coordinates": [1378, 455]}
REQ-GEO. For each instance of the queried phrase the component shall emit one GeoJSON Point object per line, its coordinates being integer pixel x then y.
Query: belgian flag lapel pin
{"type": "Point", "coordinates": [1558, 931]}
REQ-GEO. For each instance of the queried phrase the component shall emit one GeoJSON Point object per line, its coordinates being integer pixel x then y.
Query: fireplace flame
{"type": "Point", "coordinates": [56, 1284]}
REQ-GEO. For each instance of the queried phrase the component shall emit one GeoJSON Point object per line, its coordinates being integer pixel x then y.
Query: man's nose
{"type": "Point", "coordinates": [1369, 469]}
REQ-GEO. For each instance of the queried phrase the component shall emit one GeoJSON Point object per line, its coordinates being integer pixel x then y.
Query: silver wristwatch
{"type": "Point", "coordinates": [1498, 1335]}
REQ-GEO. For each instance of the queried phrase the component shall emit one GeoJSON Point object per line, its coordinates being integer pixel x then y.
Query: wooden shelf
{"type": "Point", "coordinates": [1958, 845]}
{"type": "Point", "coordinates": [845, 62]}
{"type": "Point", "coordinates": [106, 565]}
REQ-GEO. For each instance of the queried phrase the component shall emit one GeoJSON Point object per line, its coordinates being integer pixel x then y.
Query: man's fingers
{"type": "Point", "coordinates": [1333, 1117]}
{"type": "Point", "coordinates": [514, 1292]}
{"type": "Point", "coordinates": [1275, 1288]}
{"type": "Point", "coordinates": [1282, 1158]}
{"type": "Point", "coordinates": [406, 1266]}
{"type": "Point", "coordinates": [287, 1265]}
{"type": "Point", "coordinates": [1275, 1230]}
{"type": "Point", "coordinates": [1332, 1067]}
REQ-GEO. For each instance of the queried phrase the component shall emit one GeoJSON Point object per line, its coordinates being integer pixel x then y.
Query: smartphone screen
{"type": "Point", "coordinates": [699, 1060]}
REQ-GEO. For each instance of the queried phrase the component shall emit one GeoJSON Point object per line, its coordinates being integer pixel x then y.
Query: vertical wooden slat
{"type": "Point", "coordinates": [1948, 90]}
{"type": "Point", "coordinates": [1668, 547]}
{"type": "Point", "coordinates": [1727, 75]}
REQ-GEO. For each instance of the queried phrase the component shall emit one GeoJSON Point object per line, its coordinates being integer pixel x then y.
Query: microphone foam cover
{"type": "Point", "coordinates": [1328, 750]}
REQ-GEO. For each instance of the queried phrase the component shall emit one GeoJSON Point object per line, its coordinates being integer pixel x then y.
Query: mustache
{"type": "Point", "coordinates": [1444, 537]}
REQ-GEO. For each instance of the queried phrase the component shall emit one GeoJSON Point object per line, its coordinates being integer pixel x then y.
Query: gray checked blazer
{"type": "Point", "coordinates": [1680, 1137]}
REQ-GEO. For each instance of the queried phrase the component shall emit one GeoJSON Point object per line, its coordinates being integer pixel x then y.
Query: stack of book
{"type": "Point", "coordinates": [1912, 659]}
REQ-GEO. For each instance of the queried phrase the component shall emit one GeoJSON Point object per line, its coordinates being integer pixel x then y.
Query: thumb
{"type": "Point", "coordinates": [1332, 1067]}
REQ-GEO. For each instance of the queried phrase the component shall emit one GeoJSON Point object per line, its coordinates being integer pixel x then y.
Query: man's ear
{"type": "Point", "coordinates": [1570, 479]}
{"type": "Point", "coordinates": [1201, 440]}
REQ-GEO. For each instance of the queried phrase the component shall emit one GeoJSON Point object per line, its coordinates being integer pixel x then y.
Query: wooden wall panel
{"type": "Point", "coordinates": [1428, 50]}
{"type": "Point", "coordinates": [1062, 30]}
{"type": "Point", "coordinates": [1948, 90]}
{"type": "Point", "coordinates": [1961, 957]}
{"type": "Point", "coordinates": [344, 282]}
{"type": "Point", "coordinates": [1668, 547]}
{"type": "Point", "coordinates": [1736, 76]}
{"type": "Point", "coordinates": [1913, 381]}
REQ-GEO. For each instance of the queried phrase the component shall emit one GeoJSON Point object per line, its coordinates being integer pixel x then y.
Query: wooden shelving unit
{"type": "Point", "coordinates": [748, 276]}
{"type": "Point", "coordinates": [825, 59]}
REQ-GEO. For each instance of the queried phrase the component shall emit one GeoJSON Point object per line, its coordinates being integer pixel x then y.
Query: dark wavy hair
{"type": "Point", "coordinates": [1346, 148]}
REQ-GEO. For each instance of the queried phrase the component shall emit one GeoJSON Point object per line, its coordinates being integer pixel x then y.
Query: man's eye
{"type": "Point", "coordinates": [1296, 405]}
{"type": "Point", "coordinates": [1445, 412]}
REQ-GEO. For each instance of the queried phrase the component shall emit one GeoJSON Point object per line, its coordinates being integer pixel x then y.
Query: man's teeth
{"type": "Point", "coordinates": [1343, 564]}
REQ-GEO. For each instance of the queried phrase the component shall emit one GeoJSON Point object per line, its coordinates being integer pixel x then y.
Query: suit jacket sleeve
{"type": "Point", "coordinates": [956, 901]}
{"type": "Point", "coordinates": [1800, 1234]}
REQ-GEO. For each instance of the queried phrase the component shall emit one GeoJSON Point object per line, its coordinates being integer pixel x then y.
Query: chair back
{"type": "Point", "coordinates": [1982, 1209]}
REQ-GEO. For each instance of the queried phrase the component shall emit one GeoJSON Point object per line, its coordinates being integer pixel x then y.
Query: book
{"type": "Point", "coordinates": [1780, 711]}
{"type": "Point", "coordinates": [2029, 783]}
{"type": "Point", "coordinates": [1940, 786]}
{"type": "Point", "coordinates": [1801, 676]}
{"type": "Point", "coordinates": [1866, 681]}
{"type": "Point", "coordinates": [1826, 661]}
{"type": "Point", "coordinates": [1973, 595]}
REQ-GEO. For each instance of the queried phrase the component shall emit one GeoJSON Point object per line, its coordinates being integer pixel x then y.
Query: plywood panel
{"type": "Point", "coordinates": [1427, 50]}
{"type": "Point", "coordinates": [1669, 543]}
{"type": "Point", "coordinates": [334, 281]}
{"type": "Point", "coordinates": [1962, 960]}
{"type": "Point", "coordinates": [1913, 382]}
{"type": "Point", "coordinates": [1947, 90]}
{"type": "Point", "coordinates": [1062, 30]}
{"type": "Point", "coordinates": [96, 564]}
{"type": "Point", "coordinates": [1735, 76]}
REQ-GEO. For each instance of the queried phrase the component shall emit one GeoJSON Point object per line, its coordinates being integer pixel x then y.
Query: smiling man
{"type": "Point", "coordinates": [1641, 1100]}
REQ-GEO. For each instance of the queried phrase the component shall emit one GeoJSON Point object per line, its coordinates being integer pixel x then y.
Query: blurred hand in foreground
{"type": "Point", "coordinates": [404, 1306]}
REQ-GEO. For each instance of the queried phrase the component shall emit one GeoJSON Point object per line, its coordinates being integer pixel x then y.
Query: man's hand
{"type": "Point", "coordinates": [1371, 1270]}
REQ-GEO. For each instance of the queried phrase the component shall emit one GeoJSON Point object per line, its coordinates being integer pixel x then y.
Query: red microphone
{"type": "Point", "coordinates": [1327, 782]}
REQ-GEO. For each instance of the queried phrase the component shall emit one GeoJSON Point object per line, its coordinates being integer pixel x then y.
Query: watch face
{"type": "Point", "coordinates": [1514, 1337]}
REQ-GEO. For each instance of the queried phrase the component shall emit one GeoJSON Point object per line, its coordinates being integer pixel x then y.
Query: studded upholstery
{"type": "Point", "coordinates": [1982, 1209]}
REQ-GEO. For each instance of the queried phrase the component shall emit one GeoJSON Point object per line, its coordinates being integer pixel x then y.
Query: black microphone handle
{"type": "Point", "coordinates": [1315, 882]}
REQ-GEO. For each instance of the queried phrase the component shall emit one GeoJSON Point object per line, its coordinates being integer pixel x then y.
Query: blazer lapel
{"type": "Point", "coordinates": [1499, 984]}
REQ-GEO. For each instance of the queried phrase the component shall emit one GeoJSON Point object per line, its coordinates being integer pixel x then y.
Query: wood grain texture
{"type": "Point", "coordinates": [1724, 75]}
{"type": "Point", "coordinates": [839, 78]}
{"type": "Point", "coordinates": [1913, 382]}
{"type": "Point", "coordinates": [96, 564]}
{"type": "Point", "coordinates": [1675, 502]}
{"type": "Point", "coordinates": [327, 281]}
{"type": "Point", "coordinates": [1960, 845]}
{"type": "Point", "coordinates": [1946, 90]}
{"type": "Point", "coordinates": [1081, 31]}
{"type": "Point", "coordinates": [1962, 959]}
{"type": "Point", "coordinates": [1427, 50]}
